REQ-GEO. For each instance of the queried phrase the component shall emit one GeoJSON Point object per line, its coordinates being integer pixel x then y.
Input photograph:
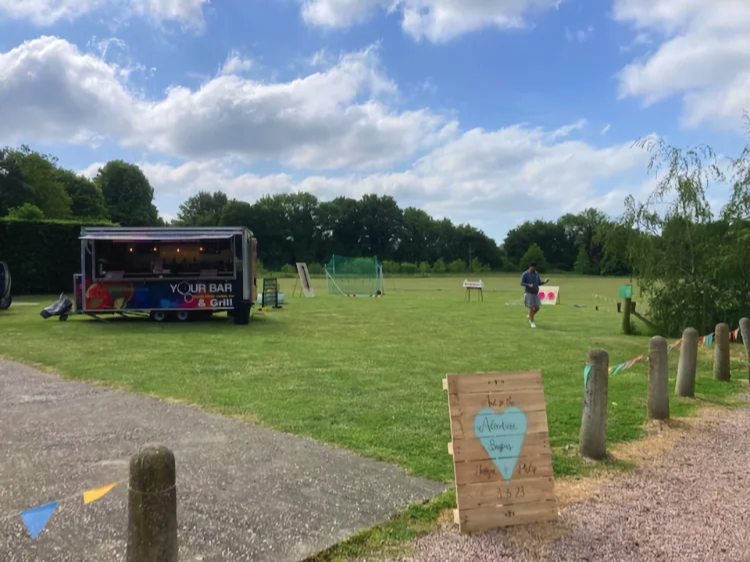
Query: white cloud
{"type": "Point", "coordinates": [704, 57]}
{"type": "Point", "coordinates": [434, 20]}
{"type": "Point", "coordinates": [49, 12]}
{"type": "Point", "coordinates": [481, 176]}
{"type": "Point", "coordinates": [235, 64]}
{"type": "Point", "coordinates": [343, 117]}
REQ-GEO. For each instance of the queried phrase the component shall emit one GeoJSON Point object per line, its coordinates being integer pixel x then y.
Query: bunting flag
{"type": "Point", "coordinates": [36, 518]}
{"type": "Point", "coordinates": [99, 493]}
{"type": "Point", "coordinates": [675, 344]}
{"type": "Point", "coordinates": [633, 362]}
{"type": "Point", "coordinates": [708, 339]}
{"type": "Point", "coordinates": [618, 368]}
{"type": "Point", "coordinates": [586, 372]}
{"type": "Point", "coordinates": [736, 335]}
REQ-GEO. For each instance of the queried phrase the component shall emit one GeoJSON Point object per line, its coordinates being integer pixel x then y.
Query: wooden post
{"type": "Point", "coordinates": [658, 379]}
{"type": "Point", "coordinates": [686, 369]}
{"type": "Point", "coordinates": [626, 308]}
{"type": "Point", "coordinates": [745, 329]}
{"type": "Point", "coordinates": [721, 353]}
{"type": "Point", "coordinates": [152, 507]}
{"type": "Point", "coordinates": [593, 435]}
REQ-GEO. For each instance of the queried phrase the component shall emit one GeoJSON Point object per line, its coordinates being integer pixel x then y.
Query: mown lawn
{"type": "Point", "coordinates": [366, 374]}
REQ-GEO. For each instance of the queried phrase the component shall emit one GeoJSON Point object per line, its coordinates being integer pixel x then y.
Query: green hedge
{"type": "Point", "coordinates": [42, 255]}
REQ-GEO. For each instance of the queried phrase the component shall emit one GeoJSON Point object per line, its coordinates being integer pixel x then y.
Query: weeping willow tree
{"type": "Point", "coordinates": [691, 263]}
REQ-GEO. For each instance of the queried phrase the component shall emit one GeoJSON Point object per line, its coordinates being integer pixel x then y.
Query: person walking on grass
{"type": "Point", "coordinates": [531, 281]}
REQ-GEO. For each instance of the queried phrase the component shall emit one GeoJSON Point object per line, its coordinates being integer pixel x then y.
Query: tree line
{"type": "Point", "coordinates": [299, 227]}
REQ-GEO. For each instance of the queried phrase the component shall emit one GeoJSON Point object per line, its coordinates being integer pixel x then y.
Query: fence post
{"type": "Point", "coordinates": [721, 353]}
{"type": "Point", "coordinates": [686, 369]}
{"type": "Point", "coordinates": [626, 308]}
{"type": "Point", "coordinates": [152, 507]}
{"type": "Point", "coordinates": [593, 435]}
{"type": "Point", "coordinates": [745, 329]}
{"type": "Point", "coordinates": [658, 379]}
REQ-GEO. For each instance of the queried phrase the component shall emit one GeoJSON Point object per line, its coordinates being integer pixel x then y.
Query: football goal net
{"type": "Point", "coordinates": [355, 277]}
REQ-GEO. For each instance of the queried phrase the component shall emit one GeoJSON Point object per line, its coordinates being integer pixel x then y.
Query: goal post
{"type": "Point", "coordinates": [355, 277]}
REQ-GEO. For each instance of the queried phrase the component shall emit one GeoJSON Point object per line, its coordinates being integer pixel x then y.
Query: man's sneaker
{"type": "Point", "coordinates": [533, 325]}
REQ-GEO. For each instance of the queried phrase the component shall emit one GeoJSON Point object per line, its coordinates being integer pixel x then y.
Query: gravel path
{"type": "Point", "coordinates": [690, 504]}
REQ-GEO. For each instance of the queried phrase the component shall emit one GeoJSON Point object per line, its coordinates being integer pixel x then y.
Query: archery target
{"type": "Point", "coordinates": [549, 295]}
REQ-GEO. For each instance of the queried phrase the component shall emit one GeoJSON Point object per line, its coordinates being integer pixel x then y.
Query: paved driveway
{"type": "Point", "coordinates": [244, 493]}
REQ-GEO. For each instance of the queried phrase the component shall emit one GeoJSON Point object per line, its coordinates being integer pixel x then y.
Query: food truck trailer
{"type": "Point", "coordinates": [169, 273]}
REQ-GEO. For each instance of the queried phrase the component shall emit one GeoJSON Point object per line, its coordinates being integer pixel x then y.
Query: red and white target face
{"type": "Point", "coordinates": [550, 296]}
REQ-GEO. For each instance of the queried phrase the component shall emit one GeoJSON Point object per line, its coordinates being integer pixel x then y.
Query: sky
{"type": "Point", "coordinates": [488, 112]}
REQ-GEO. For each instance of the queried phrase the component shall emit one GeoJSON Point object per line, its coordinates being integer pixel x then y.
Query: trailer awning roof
{"type": "Point", "coordinates": [153, 237]}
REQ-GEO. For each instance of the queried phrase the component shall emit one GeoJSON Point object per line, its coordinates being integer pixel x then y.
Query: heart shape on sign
{"type": "Point", "coordinates": [502, 437]}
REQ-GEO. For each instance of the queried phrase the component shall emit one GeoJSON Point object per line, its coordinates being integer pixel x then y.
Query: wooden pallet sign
{"type": "Point", "coordinates": [501, 454]}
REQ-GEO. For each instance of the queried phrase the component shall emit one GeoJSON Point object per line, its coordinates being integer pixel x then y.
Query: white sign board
{"type": "Point", "coordinates": [549, 295]}
{"type": "Point", "coordinates": [304, 277]}
{"type": "Point", "coordinates": [473, 284]}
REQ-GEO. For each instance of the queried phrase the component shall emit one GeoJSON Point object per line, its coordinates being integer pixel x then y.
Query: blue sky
{"type": "Point", "coordinates": [485, 111]}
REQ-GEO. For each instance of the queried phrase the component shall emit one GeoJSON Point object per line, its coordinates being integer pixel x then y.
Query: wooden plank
{"type": "Point", "coordinates": [473, 450]}
{"type": "Point", "coordinates": [494, 382]}
{"type": "Point", "coordinates": [477, 520]}
{"type": "Point", "coordinates": [450, 449]}
{"type": "Point", "coordinates": [494, 494]}
{"type": "Point", "coordinates": [468, 425]}
{"type": "Point", "coordinates": [528, 401]}
{"type": "Point", "coordinates": [526, 467]}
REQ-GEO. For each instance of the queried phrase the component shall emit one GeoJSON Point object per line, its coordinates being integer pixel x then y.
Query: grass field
{"type": "Point", "coordinates": [366, 374]}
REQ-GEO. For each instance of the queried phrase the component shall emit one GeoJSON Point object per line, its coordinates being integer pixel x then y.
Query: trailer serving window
{"type": "Point", "coordinates": [163, 259]}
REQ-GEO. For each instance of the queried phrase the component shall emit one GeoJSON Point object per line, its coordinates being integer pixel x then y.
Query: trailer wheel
{"type": "Point", "coordinates": [183, 316]}
{"type": "Point", "coordinates": [158, 316]}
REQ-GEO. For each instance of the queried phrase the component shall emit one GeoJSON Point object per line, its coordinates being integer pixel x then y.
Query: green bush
{"type": "Point", "coordinates": [391, 267]}
{"type": "Point", "coordinates": [409, 268]}
{"type": "Point", "coordinates": [315, 269]}
{"type": "Point", "coordinates": [425, 269]}
{"type": "Point", "coordinates": [457, 266]}
{"type": "Point", "coordinates": [289, 270]}
{"type": "Point", "coordinates": [42, 255]}
{"type": "Point", "coordinates": [27, 212]}
{"type": "Point", "coordinates": [439, 266]}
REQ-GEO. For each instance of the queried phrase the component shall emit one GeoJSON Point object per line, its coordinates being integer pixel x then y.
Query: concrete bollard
{"type": "Point", "coordinates": [721, 353]}
{"type": "Point", "coordinates": [658, 379]}
{"type": "Point", "coordinates": [745, 329]}
{"type": "Point", "coordinates": [686, 369]}
{"type": "Point", "coordinates": [152, 507]}
{"type": "Point", "coordinates": [593, 435]}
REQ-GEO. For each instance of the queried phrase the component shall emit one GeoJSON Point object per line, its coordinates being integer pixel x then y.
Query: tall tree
{"type": "Point", "coordinates": [40, 173]}
{"type": "Point", "coordinates": [14, 191]}
{"type": "Point", "coordinates": [341, 228]}
{"type": "Point", "coordinates": [86, 198]}
{"type": "Point", "coordinates": [202, 209]}
{"type": "Point", "coordinates": [560, 251]}
{"type": "Point", "coordinates": [382, 222]}
{"type": "Point", "coordinates": [128, 194]}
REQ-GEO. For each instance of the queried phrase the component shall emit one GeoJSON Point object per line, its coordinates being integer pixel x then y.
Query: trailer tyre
{"type": "Point", "coordinates": [183, 316]}
{"type": "Point", "coordinates": [159, 316]}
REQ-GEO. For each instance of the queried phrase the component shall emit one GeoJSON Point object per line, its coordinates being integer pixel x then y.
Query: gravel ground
{"type": "Point", "coordinates": [693, 503]}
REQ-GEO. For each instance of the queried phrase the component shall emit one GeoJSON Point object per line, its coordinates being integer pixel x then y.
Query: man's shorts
{"type": "Point", "coordinates": [532, 301]}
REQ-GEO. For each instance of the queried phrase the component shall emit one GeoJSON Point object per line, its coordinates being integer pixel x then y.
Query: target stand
{"type": "Point", "coordinates": [477, 286]}
{"type": "Point", "coordinates": [549, 295]}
